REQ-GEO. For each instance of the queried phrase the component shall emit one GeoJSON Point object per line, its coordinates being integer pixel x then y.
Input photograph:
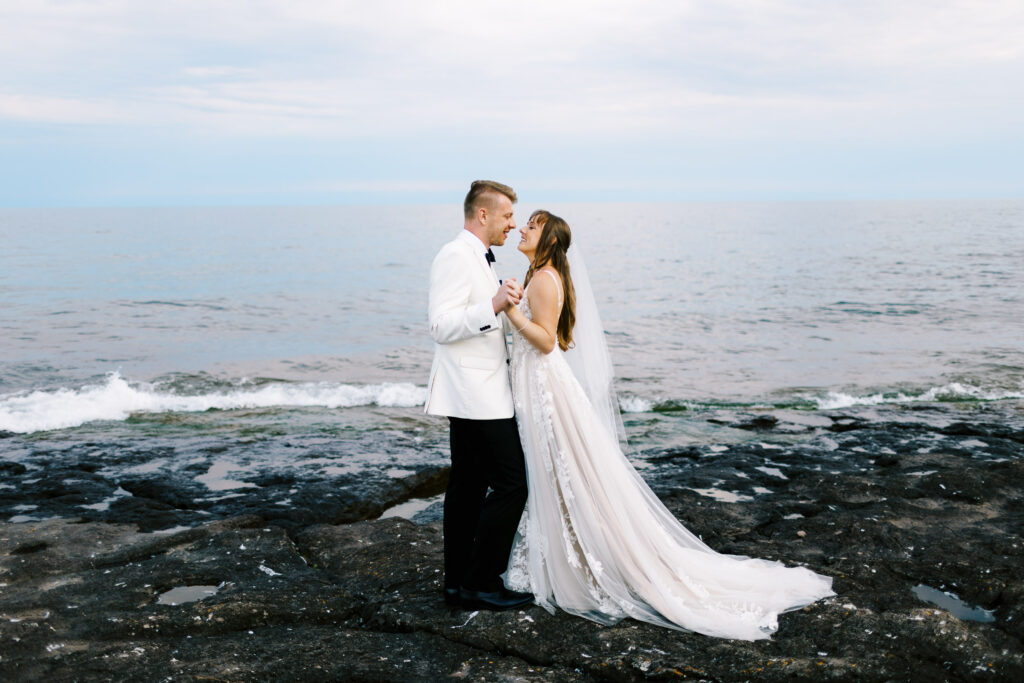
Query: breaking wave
{"type": "Point", "coordinates": [117, 399]}
{"type": "Point", "coordinates": [831, 400]}
{"type": "Point", "coordinates": [954, 391]}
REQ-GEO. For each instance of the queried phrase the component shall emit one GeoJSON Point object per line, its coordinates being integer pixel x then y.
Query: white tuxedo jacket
{"type": "Point", "coordinates": [469, 377]}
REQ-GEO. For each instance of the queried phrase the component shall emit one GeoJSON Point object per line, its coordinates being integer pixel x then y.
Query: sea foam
{"type": "Point", "coordinates": [835, 400]}
{"type": "Point", "coordinates": [117, 399]}
{"type": "Point", "coordinates": [948, 392]}
{"type": "Point", "coordinates": [635, 404]}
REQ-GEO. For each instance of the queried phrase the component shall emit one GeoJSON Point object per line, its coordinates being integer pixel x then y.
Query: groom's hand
{"type": "Point", "coordinates": [517, 291]}
{"type": "Point", "coordinates": [508, 295]}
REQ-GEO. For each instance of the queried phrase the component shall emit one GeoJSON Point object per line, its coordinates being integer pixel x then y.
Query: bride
{"type": "Point", "coordinates": [595, 540]}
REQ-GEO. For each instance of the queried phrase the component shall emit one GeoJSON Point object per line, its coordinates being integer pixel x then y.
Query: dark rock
{"type": "Point", "coordinates": [844, 423]}
{"type": "Point", "coordinates": [761, 423]}
{"type": "Point", "coordinates": [146, 513]}
{"type": "Point", "coordinates": [688, 453]}
{"type": "Point", "coordinates": [86, 606]}
{"type": "Point", "coordinates": [82, 482]}
{"type": "Point", "coordinates": [345, 499]}
{"type": "Point", "coordinates": [11, 468]}
{"type": "Point", "coordinates": [984, 430]}
{"type": "Point", "coordinates": [362, 602]}
{"type": "Point", "coordinates": [881, 508]}
{"type": "Point", "coordinates": [173, 492]}
{"type": "Point", "coordinates": [433, 514]}
{"type": "Point", "coordinates": [33, 547]}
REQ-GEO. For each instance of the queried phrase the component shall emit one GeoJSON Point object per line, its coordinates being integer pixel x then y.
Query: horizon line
{"type": "Point", "coordinates": [457, 199]}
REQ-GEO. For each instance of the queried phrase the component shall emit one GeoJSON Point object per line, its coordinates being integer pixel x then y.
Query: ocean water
{"type": "Point", "coordinates": [294, 334]}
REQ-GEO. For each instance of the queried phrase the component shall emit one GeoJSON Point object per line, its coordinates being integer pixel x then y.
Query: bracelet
{"type": "Point", "coordinates": [520, 329]}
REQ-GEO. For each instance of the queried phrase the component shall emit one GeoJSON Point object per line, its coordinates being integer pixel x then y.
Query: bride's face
{"type": "Point", "coordinates": [530, 234]}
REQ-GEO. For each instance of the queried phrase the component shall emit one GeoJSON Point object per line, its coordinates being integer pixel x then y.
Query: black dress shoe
{"type": "Point", "coordinates": [496, 601]}
{"type": "Point", "coordinates": [451, 597]}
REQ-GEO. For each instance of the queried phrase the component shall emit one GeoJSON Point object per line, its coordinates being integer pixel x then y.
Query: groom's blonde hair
{"type": "Point", "coordinates": [479, 195]}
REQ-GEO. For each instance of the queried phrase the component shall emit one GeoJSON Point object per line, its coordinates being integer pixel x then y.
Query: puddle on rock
{"type": "Point", "coordinates": [411, 507]}
{"type": "Point", "coordinates": [952, 604]}
{"type": "Point", "coordinates": [183, 594]}
{"type": "Point", "coordinates": [724, 496]}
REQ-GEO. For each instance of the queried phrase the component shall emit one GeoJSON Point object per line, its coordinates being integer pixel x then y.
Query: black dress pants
{"type": "Point", "coordinates": [479, 528]}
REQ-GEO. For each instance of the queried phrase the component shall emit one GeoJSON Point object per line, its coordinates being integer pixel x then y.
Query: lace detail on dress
{"type": "Point", "coordinates": [517, 577]}
{"type": "Point", "coordinates": [532, 382]}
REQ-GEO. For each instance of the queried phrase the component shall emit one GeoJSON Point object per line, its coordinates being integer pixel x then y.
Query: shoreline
{"type": "Point", "coordinates": [361, 600]}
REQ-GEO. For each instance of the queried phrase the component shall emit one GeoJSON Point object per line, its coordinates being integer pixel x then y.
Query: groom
{"type": "Point", "coordinates": [469, 384]}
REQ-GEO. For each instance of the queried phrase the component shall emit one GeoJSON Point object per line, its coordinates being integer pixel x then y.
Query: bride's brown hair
{"type": "Point", "coordinates": [555, 238]}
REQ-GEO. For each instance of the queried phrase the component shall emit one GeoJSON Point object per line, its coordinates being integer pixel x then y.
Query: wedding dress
{"type": "Point", "coordinates": [595, 540]}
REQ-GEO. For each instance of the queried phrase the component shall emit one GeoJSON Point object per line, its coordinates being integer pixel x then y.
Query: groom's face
{"type": "Point", "coordinates": [499, 220]}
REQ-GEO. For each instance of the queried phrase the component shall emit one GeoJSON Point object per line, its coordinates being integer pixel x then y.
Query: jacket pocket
{"type": "Point", "coordinates": [478, 363]}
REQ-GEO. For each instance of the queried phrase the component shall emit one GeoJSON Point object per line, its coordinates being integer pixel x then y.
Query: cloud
{"type": "Point", "coordinates": [568, 68]}
{"type": "Point", "coordinates": [50, 109]}
{"type": "Point", "coordinates": [657, 80]}
{"type": "Point", "coordinates": [204, 72]}
{"type": "Point", "coordinates": [387, 186]}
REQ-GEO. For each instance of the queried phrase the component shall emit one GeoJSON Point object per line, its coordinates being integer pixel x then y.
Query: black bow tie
{"type": "Point", "coordinates": [489, 256]}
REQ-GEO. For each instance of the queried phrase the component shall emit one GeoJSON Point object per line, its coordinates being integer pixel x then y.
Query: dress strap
{"type": "Point", "coordinates": [558, 285]}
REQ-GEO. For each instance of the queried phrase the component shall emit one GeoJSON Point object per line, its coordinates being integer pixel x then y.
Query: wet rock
{"type": "Point", "coordinates": [988, 430]}
{"type": "Point", "coordinates": [845, 423]}
{"type": "Point", "coordinates": [344, 499]}
{"type": "Point", "coordinates": [172, 492]}
{"type": "Point", "coordinates": [761, 423]}
{"type": "Point", "coordinates": [758, 423]}
{"type": "Point", "coordinates": [433, 514]}
{"type": "Point", "coordinates": [881, 509]}
{"type": "Point", "coordinates": [11, 468]}
{"type": "Point", "coordinates": [84, 605]}
{"type": "Point", "coordinates": [678, 454]}
{"type": "Point", "coordinates": [147, 513]}
{"type": "Point", "coordinates": [362, 602]}
{"type": "Point", "coordinates": [886, 461]}
{"type": "Point", "coordinates": [72, 484]}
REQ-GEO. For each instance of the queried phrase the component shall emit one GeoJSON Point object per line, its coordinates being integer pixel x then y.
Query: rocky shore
{"type": "Point", "coordinates": [920, 524]}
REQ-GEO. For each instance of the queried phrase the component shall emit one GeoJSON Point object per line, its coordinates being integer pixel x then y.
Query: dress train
{"type": "Point", "coordinates": [595, 541]}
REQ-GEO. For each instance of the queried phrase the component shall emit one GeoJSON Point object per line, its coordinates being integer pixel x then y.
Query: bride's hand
{"type": "Point", "coordinates": [517, 291]}
{"type": "Point", "coordinates": [507, 296]}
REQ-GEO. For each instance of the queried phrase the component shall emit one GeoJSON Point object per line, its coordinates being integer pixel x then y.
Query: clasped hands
{"type": "Point", "coordinates": [509, 294]}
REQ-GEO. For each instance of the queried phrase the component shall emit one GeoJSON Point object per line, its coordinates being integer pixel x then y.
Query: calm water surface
{"type": "Point", "coordinates": [112, 318]}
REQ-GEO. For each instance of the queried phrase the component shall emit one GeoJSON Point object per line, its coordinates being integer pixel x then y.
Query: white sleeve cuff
{"type": "Point", "coordinates": [481, 317]}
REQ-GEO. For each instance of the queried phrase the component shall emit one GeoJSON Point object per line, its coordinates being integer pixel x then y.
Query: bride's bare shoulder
{"type": "Point", "coordinates": [554, 279]}
{"type": "Point", "coordinates": [545, 279]}
{"type": "Point", "coordinates": [545, 290]}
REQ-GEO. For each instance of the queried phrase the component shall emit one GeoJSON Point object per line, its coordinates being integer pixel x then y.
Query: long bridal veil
{"type": "Point", "coordinates": [595, 540]}
{"type": "Point", "coordinates": [589, 359]}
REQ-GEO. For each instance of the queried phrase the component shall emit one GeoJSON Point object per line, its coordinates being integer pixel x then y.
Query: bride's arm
{"type": "Point", "coordinates": [542, 330]}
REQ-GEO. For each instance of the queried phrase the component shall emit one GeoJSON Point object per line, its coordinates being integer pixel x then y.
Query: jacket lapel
{"type": "Point", "coordinates": [479, 256]}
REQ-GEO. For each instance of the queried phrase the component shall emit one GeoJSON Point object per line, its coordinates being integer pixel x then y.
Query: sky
{"type": "Point", "coordinates": [293, 102]}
